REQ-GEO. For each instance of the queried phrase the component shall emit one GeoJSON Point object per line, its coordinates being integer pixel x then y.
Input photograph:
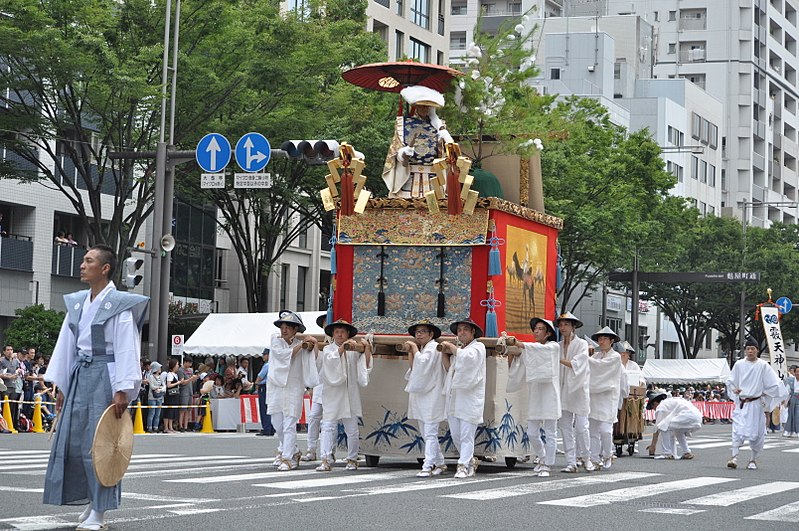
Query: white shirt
{"type": "Point", "coordinates": [426, 401]}
{"type": "Point", "coordinates": [464, 387]}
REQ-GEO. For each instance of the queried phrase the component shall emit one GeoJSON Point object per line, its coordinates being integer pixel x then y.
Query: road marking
{"type": "Point", "coordinates": [194, 510]}
{"type": "Point", "coordinates": [173, 499]}
{"type": "Point", "coordinates": [240, 477]}
{"type": "Point", "coordinates": [769, 446]}
{"type": "Point", "coordinates": [786, 513]}
{"type": "Point", "coordinates": [142, 464]}
{"type": "Point", "coordinates": [671, 510]}
{"type": "Point", "coordinates": [632, 493]}
{"type": "Point", "coordinates": [34, 523]}
{"type": "Point", "coordinates": [429, 484]}
{"type": "Point", "coordinates": [326, 480]}
{"type": "Point", "coordinates": [731, 497]}
{"type": "Point", "coordinates": [547, 486]}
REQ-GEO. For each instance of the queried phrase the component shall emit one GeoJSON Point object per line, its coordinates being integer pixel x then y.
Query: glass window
{"type": "Point", "coordinates": [554, 73]}
{"type": "Point", "coordinates": [420, 13]}
{"type": "Point", "coordinates": [284, 284]}
{"type": "Point", "coordinates": [399, 44]}
{"type": "Point", "coordinates": [420, 51]}
{"type": "Point", "coordinates": [302, 276]}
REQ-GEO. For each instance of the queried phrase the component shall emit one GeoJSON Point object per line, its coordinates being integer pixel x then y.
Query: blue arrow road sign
{"type": "Point", "coordinates": [784, 304]}
{"type": "Point", "coordinates": [253, 152]}
{"type": "Point", "coordinates": [213, 152]}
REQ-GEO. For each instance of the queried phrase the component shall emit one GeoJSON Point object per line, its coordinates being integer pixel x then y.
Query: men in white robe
{"type": "Point", "coordinates": [291, 370]}
{"type": "Point", "coordinates": [607, 379]}
{"type": "Point", "coordinates": [315, 415]}
{"type": "Point", "coordinates": [345, 365]}
{"type": "Point", "coordinates": [425, 390]}
{"type": "Point", "coordinates": [675, 418]}
{"type": "Point", "coordinates": [635, 376]}
{"type": "Point", "coordinates": [754, 388]}
{"type": "Point", "coordinates": [464, 391]}
{"type": "Point", "coordinates": [538, 366]}
{"type": "Point", "coordinates": [574, 403]}
{"type": "Point", "coordinates": [95, 363]}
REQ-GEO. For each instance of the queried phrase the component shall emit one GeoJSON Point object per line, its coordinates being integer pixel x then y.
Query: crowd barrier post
{"type": "Point", "coordinates": [37, 415]}
{"type": "Point", "coordinates": [208, 425]}
{"type": "Point", "coordinates": [7, 416]}
{"type": "Point", "coordinates": [138, 423]}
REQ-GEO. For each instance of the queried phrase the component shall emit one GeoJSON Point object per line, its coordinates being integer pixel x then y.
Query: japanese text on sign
{"type": "Point", "coordinates": [776, 346]}
{"type": "Point", "coordinates": [252, 180]}
{"type": "Point", "coordinates": [212, 180]}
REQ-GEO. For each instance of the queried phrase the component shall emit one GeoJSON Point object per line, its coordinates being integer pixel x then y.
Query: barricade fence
{"type": "Point", "coordinates": [709, 410]}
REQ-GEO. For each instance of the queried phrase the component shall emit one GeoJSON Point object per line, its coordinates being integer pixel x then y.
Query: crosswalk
{"type": "Point", "coordinates": [189, 490]}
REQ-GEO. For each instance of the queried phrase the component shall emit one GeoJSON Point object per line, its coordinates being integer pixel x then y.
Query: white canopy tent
{"type": "Point", "coordinates": [671, 372]}
{"type": "Point", "coordinates": [240, 334]}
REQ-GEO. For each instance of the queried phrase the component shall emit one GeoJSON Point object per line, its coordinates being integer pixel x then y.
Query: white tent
{"type": "Point", "coordinates": [686, 371]}
{"type": "Point", "coordinates": [240, 334]}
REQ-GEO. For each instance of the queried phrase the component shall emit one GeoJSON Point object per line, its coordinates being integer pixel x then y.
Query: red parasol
{"type": "Point", "coordinates": [395, 76]}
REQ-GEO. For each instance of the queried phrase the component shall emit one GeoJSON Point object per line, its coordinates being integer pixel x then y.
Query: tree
{"type": "Point", "coordinates": [301, 96]}
{"type": "Point", "coordinates": [495, 100]}
{"type": "Point", "coordinates": [83, 78]}
{"type": "Point", "coordinates": [36, 328]}
{"type": "Point", "coordinates": [609, 187]}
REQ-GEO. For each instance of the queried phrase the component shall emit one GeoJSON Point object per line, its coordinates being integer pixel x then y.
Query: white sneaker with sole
{"type": "Point", "coordinates": [462, 472]}
{"type": "Point", "coordinates": [310, 455]}
{"type": "Point", "coordinates": [439, 469]}
{"type": "Point", "coordinates": [569, 469]}
{"type": "Point", "coordinates": [544, 472]}
{"type": "Point", "coordinates": [751, 466]}
{"type": "Point", "coordinates": [425, 473]}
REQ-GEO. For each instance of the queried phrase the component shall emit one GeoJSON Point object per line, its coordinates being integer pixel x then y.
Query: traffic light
{"type": "Point", "coordinates": [315, 152]}
{"type": "Point", "coordinates": [132, 276]}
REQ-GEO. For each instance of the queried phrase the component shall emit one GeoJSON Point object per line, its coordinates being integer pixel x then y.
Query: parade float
{"type": "Point", "coordinates": [447, 255]}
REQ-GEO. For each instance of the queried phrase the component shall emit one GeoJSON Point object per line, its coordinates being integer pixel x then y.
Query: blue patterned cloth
{"type": "Point", "coordinates": [423, 138]}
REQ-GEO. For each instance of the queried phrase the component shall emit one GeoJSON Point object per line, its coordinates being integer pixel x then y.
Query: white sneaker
{"type": "Point", "coordinates": [569, 469]}
{"type": "Point", "coordinates": [607, 463]}
{"type": "Point", "coordinates": [425, 473]}
{"type": "Point", "coordinates": [470, 471]}
{"type": "Point", "coordinates": [664, 456]}
{"type": "Point", "coordinates": [351, 465]}
{"type": "Point", "coordinates": [732, 463]}
{"type": "Point", "coordinates": [439, 469]}
{"type": "Point", "coordinates": [786, 434]}
{"type": "Point", "coordinates": [544, 472]}
{"type": "Point", "coordinates": [589, 465]}
{"type": "Point", "coordinates": [537, 468]}
{"type": "Point", "coordinates": [278, 460]}
{"type": "Point", "coordinates": [286, 465]}
{"type": "Point", "coordinates": [752, 465]}
{"type": "Point", "coordinates": [324, 466]}
{"type": "Point", "coordinates": [462, 472]}
{"type": "Point", "coordinates": [310, 455]}
{"type": "Point", "coordinates": [537, 460]}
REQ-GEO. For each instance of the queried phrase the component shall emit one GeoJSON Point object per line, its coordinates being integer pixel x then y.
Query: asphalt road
{"type": "Point", "coordinates": [224, 481]}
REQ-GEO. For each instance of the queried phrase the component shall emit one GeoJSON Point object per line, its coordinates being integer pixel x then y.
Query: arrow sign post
{"type": "Point", "coordinates": [253, 152]}
{"type": "Point", "coordinates": [213, 153]}
{"type": "Point", "coordinates": [784, 304]}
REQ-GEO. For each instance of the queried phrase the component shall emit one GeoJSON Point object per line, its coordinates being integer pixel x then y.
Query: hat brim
{"type": "Point", "coordinates": [436, 330]}
{"type": "Point", "coordinates": [614, 337]}
{"type": "Point", "coordinates": [657, 397]}
{"type": "Point", "coordinates": [320, 321]}
{"type": "Point", "coordinates": [351, 330]}
{"type": "Point", "coordinates": [112, 447]}
{"type": "Point", "coordinates": [300, 327]}
{"type": "Point", "coordinates": [535, 320]}
{"type": "Point", "coordinates": [577, 323]}
{"type": "Point", "coordinates": [478, 332]}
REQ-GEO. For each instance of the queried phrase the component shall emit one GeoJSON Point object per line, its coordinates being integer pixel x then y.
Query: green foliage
{"type": "Point", "coordinates": [183, 318]}
{"type": "Point", "coordinates": [494, 100]}
{"type": "Point", "coordinates": [609, 187]}
{"type": "Point", "coordinates": [36, 328]}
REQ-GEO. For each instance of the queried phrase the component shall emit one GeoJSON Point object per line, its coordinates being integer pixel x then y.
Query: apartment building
{"type": "Point", "coordinates": [745, 55]}
{"type": "Point", "coordinates": [415, 29]}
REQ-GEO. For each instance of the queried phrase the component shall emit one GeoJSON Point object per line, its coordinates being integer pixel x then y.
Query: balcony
{"type": "Point", "coordinates": [67, 260]}
{"type": "Point", "coordinates": [16, 252]}
{"type": "Point", "coordinates": [697, 55]}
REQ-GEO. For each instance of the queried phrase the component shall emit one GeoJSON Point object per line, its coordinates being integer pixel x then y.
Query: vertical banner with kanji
{"type": "Point", "coordinates": [776, 347]}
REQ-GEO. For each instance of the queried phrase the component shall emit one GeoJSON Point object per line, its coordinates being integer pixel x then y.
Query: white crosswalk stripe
{"type": "Point", "coordinates": [786, 513]}
{"type": "Point", "coordinates": [731, 497]}
{"type": "Point", "coordinates": [632, 493]}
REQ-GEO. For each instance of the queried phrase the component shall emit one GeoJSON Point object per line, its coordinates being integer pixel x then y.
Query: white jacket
{"type": "Point", "coordinates": [537, 367]}
{"type": "Point", "coordinates": [342, 377]}
{"type": "Point", "coordinates": [574, 380]}
{"type": "Point", "coordinates": [465, 385]}
{"type": "Point", "coordinates": [426, 385]}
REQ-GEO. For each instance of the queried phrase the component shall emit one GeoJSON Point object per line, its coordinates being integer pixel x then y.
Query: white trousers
{"type": "Point", "coordinates": [574, 430]}
{"type": "Point", "coordinates": [543, 449]}
{"type": "Point", "coordinates": [755, 444]}
{"type": "Point", "coordinates": [463, 434]}
{"type": "Point", "coordinates": [330, 433]}
{"type": "Point", "coordinates": [432, 450]}
{"type": "Point", "coordinates": [601, 436]}
{"type": "Point", "coordinates": [286, 431]}
{"type": "Point", "coordinates": [314, 420]}
{"type": "Point", "coordinates": [668, 438]}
